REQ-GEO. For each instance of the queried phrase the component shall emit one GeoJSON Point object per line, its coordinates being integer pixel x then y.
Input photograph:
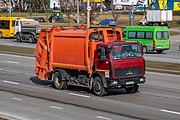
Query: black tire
{"type": "Point", "coordinates": [61, 20]}
{"type": "Point", "coordinates": [140, 24]}
{"type": "Point", "coordinates": [53, 20]}
{"type": "Point", "coordinates": [0, 35]}
{"type": "Point", "coordinates": [98, 87]}
{"type": "Point", "coordinates": [150, 24]}
{"type": "Point", "coordinates": [144, 49]}
{"type": "Point", "coordinates": [159, 51]}
{"type": "Point", "coordinates": [57, 80]}
{"type": "Point", "coordinates": [155, 24]}
{"type": "Point", "coordinates": [31, 39]}
{"type": "Point", "coordinates": [133, 89]}
{"type": "Point", "coordinates": [18, 38]}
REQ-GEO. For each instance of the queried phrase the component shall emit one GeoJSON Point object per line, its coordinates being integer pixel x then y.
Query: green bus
{"type": "Point", "coordinates": [152, 38]}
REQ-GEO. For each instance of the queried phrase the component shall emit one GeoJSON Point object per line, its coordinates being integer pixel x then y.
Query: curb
{"type": "Point", "coordinates": [163, 71]}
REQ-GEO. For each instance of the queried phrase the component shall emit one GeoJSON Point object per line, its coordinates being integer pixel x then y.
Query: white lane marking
{"type": "Point", "coordinates": [105, 118]}
{"type": "Point", "coordinates": [55, 107]}
{"type": "Point", "coordinates": [10, 82]}
{"type": "Point", "coordinates": [18, 99]}
{"type": "Point", "coordinates": [14, 62]}
{"type": "Point", "coordinates": [169, 111]}
{"type": "Point", "coordinates": [18, 56]}
{"type": "Point", "coordinates": [79, 95]}
{"type": "Point", "coordinates": [0, 68]}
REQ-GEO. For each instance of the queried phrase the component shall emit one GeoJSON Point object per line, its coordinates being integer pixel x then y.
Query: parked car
{"type": "Point", "coordinates": [39, 19]}
{"type": "Point", "coordinates": [107, 22]}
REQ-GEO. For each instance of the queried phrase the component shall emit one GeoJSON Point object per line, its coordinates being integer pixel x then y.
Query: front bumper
{"type": "Point", "coordinates": [125, 82]}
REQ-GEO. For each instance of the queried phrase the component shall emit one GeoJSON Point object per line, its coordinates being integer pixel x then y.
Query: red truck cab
{"type": "Point", "coordinates": [121, 64]}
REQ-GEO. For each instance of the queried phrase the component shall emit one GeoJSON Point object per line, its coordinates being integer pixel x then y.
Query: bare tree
{"type": "Point", "coordinates": [93, 13]}
{"type": "Point", "coordinates": [116, 14]}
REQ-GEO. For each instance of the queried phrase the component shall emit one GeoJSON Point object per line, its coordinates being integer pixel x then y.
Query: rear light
{"type": "Point", "coordinates": [154, 43]}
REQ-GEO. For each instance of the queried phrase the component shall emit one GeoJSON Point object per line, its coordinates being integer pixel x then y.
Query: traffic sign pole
{"type": "Point", "coordinates": [88, 14]}
{"type": "Point", "coordinates": [131, 15]}
{"type": "Point", "coordinates": [10, 14]}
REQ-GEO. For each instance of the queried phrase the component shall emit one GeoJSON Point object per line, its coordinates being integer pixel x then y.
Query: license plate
{"type": "Point", "coordinates": [129, 82]}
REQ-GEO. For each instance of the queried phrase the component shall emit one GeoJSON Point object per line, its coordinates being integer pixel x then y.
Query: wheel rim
{"type": "Point", "coordinates": [57, 79]}
{"type": "Point", "coordinates": [0, 35]}
{"type": "Point", "coordinates": [30, 39]}
{"type": "Point", "coordinates": [97, 87]}
{"type": "Point", "coordinates": [18, 38]}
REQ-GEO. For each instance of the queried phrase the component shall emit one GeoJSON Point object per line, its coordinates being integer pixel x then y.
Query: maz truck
{"type": "Point", "coordinates": [94, 58]}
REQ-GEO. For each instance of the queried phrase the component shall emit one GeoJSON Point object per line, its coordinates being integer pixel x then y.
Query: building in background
{"type": "Point", "coordinates": [54, 4]}
{"type": "Point", "coordinates": [166, 4]}
{"type": "Point", "coordinates": [127, 4]}
{"type": "Point", "coordinates": [93, 2]}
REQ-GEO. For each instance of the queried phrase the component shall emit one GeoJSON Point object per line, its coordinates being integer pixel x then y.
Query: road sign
{"type": "Point", "coordinates": [8, 9]}
{"type": "Point", "coordinates": [131, 16]}
{"type": "Point", "coordinates": [89, 8]}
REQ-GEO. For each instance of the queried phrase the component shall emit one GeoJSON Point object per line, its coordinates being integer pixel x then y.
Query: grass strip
{"type": "Point", "coordinates": [163, 65]}
{"type": "Point", "coordinates": [3, 118]}
{"type": "Point", "coordinates": [17, 50]}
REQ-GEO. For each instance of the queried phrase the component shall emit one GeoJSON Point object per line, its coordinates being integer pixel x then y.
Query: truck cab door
{"type": "Point", "coordinates": [16, 27]}
{"type": "Point", "coordinates": [102, 63]}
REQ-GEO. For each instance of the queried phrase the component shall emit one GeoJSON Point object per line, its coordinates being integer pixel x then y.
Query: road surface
{"type": "Point", "coordinates": [23, 96]}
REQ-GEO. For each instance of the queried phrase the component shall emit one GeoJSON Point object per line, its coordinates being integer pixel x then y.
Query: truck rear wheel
{"type": "Point", "coordinates": [159, 51]}
{"type": "Point", "coordinates": [0, 35]}
{"type": "Point", "coordinates": [57, 80]}
{"type": "Point", "coordinates": [133, 89]}
{"type": "Point", "coordinates": [156, 24]}
{"type": "Point", "coordinates": [98, 87]}
{"type": "Point", "coordinates": [31, 39]}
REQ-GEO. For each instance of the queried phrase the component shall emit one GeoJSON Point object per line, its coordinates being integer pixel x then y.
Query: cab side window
{"type": "Point", "coordinates": [103, 53]}
{"type": "Point", "coordinates": [124, 34]}
{"type": "Point", "coordinates": [132, 34]}
{"type": "Point", "coordinates": [16, 23]}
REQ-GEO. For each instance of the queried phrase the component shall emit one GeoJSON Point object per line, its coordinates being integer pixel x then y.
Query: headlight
{"type": "Point", "coordinates": [142, 80]}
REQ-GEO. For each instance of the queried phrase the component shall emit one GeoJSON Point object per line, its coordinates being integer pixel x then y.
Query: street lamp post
{"type": "Point", "coordinates": [78, 11]}
{"type": "Point", "coordinates": [10, 7]}
{"type": "Point", "coordinates": [88, 15]}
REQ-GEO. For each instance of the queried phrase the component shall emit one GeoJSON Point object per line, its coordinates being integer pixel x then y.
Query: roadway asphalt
{"type": "Point", "coordinates": [23, 96]}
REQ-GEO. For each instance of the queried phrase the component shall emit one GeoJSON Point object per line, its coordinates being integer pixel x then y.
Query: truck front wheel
{"type": "Point", "coordinates": [18, 37]}
{"type": "Point", "coordinates": [57, 80]}
{"type": "Point", "coordinates": [98, 87]}
{"type": "Point", "coordinates": [133, 89]}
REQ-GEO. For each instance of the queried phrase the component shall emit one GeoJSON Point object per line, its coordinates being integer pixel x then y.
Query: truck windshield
{"type": "Point", "coordinates": [125, 51]}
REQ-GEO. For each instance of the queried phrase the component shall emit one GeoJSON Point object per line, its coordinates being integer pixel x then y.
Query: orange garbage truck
{"type": "Point", "coordinates": [94, 58]}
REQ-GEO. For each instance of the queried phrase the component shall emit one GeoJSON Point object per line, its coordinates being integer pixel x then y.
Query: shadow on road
{"type": "Point", "coordinates": [37, 81]}
{"type": "Point", "coordinates": [80, 90]}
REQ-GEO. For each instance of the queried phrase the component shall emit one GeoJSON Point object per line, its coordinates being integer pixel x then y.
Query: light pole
{"type": "Point", "coordinates": [88, 14]}
{"type": "Point", "coordinates": [10, 7]}
{"type": "Point", "coordinates": [78, 11]}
